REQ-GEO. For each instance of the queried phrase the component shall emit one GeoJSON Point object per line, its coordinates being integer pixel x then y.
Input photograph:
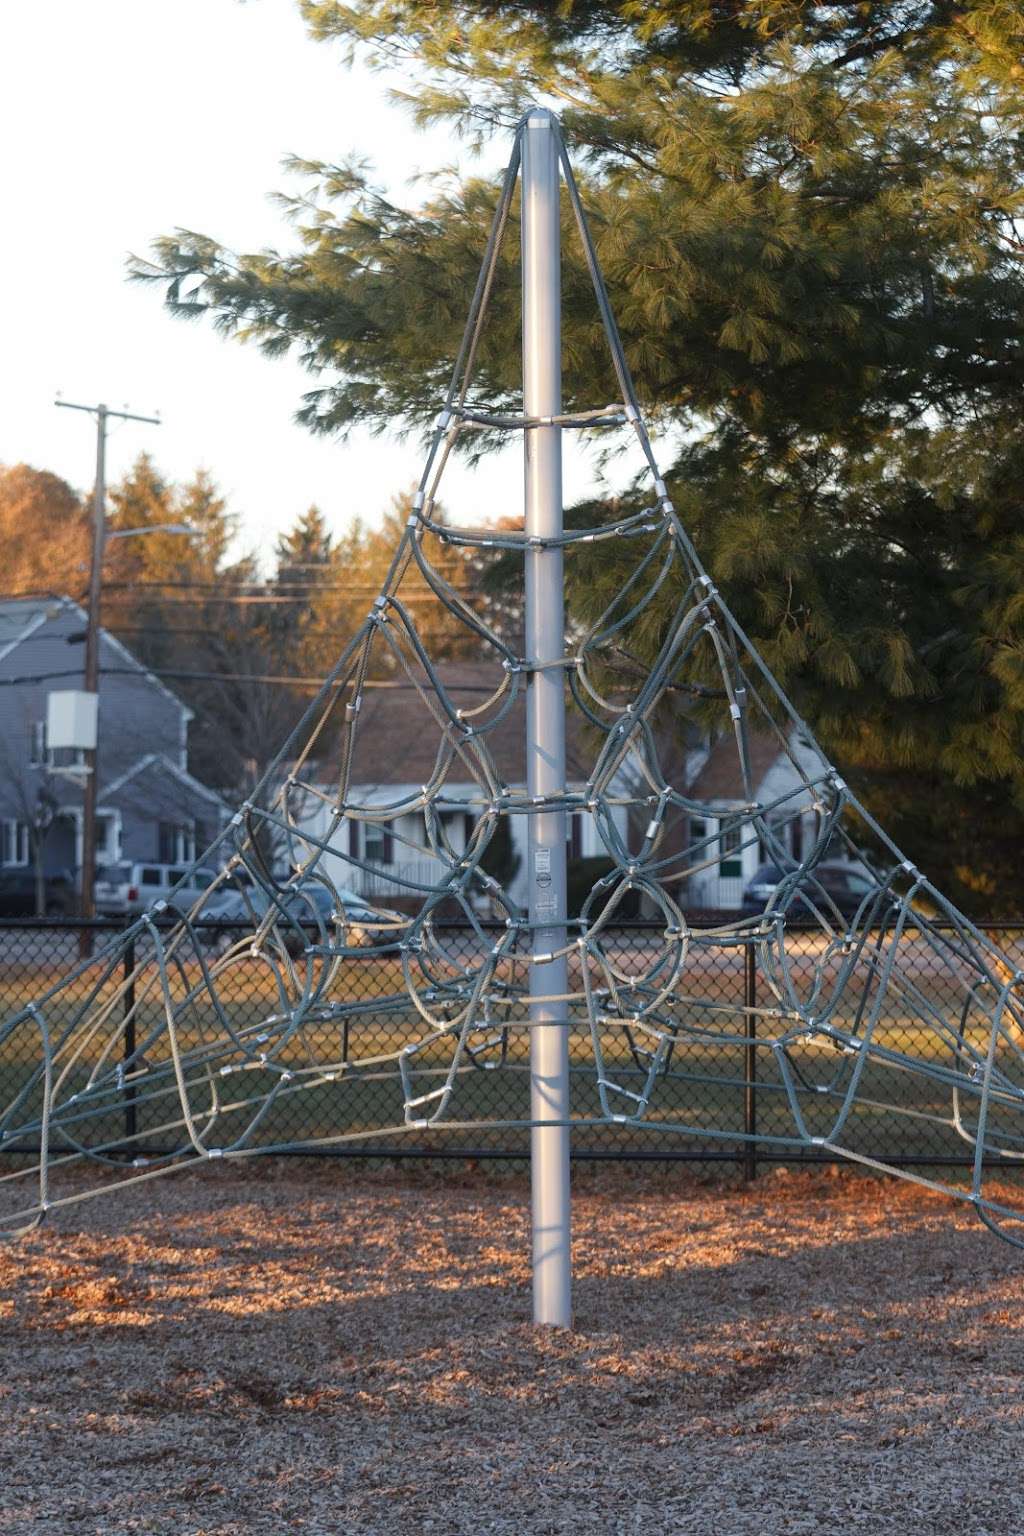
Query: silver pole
{"type": "Point", "coordinates": [545, 725]}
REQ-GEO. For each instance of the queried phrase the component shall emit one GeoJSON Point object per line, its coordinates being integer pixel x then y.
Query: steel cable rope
{"type": "Point", "coordinates": [470, 1005]}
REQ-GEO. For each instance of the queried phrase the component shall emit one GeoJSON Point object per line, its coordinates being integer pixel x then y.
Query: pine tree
{"type": "Point", "coordinates": [178, 603]}
{"type": "Point", "coordinates": [811, 220]}
{"type": "Point", "coordinates": [307, 580]}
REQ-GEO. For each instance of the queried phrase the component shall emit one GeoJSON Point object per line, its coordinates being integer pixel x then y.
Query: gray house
{"type": "Point", "coordinates": [149, 805]}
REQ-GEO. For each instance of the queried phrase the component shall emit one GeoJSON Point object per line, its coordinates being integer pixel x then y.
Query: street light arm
{"type": "Point", "coordinates": [132, 533]}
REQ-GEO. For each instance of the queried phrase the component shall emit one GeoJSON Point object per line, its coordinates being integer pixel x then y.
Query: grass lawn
{"type": "Point", "coordinates": [703, 1087]}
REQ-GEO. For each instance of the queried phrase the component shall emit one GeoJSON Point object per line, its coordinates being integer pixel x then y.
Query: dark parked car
{"type": "Point", "coordinates": [18, 893]}
{"type": "Point", "coordinates": [841, 885]}
{"type": "Point", "coordinates": [307, 905]}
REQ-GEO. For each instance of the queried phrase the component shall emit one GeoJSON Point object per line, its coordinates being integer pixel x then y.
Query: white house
{"type": "Point", "coordinates": [725, 854]}
{"type": "Point", "coordinates": [396, 754]}
{"type": "Point", "coordinates": [388, 859]}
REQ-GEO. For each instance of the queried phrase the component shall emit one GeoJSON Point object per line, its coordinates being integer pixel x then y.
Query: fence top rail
{"type": "Point", "coordinates": [634, 925]}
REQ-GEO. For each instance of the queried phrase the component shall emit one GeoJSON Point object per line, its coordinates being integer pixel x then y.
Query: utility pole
{"type": "Point", "coordinates": [545, 724]}
{"type": "Point", "coordinates": [103, 413]}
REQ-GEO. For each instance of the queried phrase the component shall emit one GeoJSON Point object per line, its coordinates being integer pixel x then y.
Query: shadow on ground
{"type": "Point", "coordinates": [326, 1351]}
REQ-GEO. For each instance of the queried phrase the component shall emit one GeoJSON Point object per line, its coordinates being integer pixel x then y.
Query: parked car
{"type": "Point", "coordinates": [228, 894]}
{"type": "Point", "coordinates": [124, 890]}
{"type": "Point", "coordinates": [360, 925]}
{"type": "Point", "coordinates": [231, 905]}
{"type": "Point", "coordinates": [18, 893]}
{"type": "Point", "coordinates": [844, 885]}
{"type": "Point", "coordinates": [310, 905]}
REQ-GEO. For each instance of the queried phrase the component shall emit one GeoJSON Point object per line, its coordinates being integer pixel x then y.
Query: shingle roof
{"type": "Point", "coordinates": [721, 779]}
{"type": "Point", "coordinates": [16, 612]}
{"type": "Point", "coordinates": [159, 763]}
{"type": "Point", "coordinates": [397, 740]}
{"type": "Point", "coordinates": [20, 616]}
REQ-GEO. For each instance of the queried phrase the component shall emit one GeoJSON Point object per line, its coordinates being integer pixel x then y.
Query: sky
{"type": "Point", "coordinates": [121, 120]}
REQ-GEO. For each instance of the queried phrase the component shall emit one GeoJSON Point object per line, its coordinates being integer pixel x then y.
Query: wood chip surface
{"type": "Point", "coordinates": [324, 1349]}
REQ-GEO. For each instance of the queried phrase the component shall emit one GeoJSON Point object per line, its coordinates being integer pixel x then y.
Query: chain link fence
{"type": "Point", "coordinates": [728, 1090]}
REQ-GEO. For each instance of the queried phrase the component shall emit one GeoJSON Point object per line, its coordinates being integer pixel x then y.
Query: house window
{"type": "Point", "coordinates": [42, 756]}
{"type": "Point", "coordinates": [730, 865]}
{"type": "Point", "coordinates": [698, 831]}
{"type": "Point", "coordinates": [13, 843]}
{"type": "Point", "coordinates": [64, 757]}
{"type": "Point", "coordinates": [786, 837]}
{"type": "Point", "coordinates": [451, 827]}
{"type": "Point", "coordinates": [772, 839]}
{"type": "Point", "coordinates": [107, 850]}
{"type": "Point", "coordinates": [37, 744]}
{"type": "Point", "coordinates": [573, 835]}
{"type": "Point", "coordinates": [378, 844]}
{"type": "Point", "coordinates": [370, 843]}
{"type": "Point", "coordinates": [176, 842]}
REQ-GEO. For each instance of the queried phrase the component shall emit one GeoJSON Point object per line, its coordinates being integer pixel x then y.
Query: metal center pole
{"type": "Point", "coordinates": [545, 725]}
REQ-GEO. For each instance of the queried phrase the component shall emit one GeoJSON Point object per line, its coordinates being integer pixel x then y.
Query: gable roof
{"type": "Point", "coordinates": [163, 764]}
{"type": "Point", "coordinates": [21, 617]}
{"type": "Point", "coordinates": [397, 740]}
{"type": "Point", "coordinates": [720, 777]}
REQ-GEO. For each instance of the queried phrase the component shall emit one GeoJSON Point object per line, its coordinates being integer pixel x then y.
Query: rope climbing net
{"type": "Point", "coordinates": [859, 993]}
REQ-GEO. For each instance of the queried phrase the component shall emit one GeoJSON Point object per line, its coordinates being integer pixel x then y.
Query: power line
{"type": "Point", "coordinates": [143, 672]}
{"type": "Point", "coordinates": [215, 634]}
{"type": "Point", "coordinates": [274, 600]}
{"type": "Point", "coordinates": [273, 592]}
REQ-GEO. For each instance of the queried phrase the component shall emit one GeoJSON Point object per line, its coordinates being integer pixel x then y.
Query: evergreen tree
{"type": "Point", "coordinates": [809, 217]}
{"type": "Point", "coordinates": [179, 603]}
{"type": "Point", "coordinates": [161, 563]}
{"type": "Point", "coordinates": [307, 581]}
{"type": "Point", "coordinates": [200, 506]}
{"type": "Point", "coordinates": [160, 588]}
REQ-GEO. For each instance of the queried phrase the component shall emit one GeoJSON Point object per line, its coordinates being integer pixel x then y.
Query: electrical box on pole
{"type": "Point", "coordinates": [71, 719]}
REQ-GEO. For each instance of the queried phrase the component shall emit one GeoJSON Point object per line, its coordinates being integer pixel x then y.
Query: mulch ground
{"type": "Point", "coordinates": [321, 1349]}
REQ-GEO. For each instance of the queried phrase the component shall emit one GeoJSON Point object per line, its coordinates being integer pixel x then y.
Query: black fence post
{"type": "Point", "coordinates": [128, 1014]}
{"type": "Point", "coordinates": [750, 1061]}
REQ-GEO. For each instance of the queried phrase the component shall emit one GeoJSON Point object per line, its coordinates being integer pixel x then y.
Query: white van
{"type": "Point", "coordinates": [124, 890]}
